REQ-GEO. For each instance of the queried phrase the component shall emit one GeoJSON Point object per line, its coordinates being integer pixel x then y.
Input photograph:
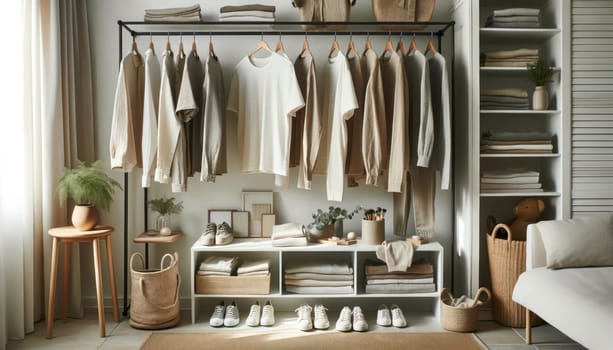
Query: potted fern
{"type": "Point", "coordinates": [540, 74]}
{"type": "Point", "coordinates": [90, 188]}
{"type": "Point", "coordinates": [165, 207]}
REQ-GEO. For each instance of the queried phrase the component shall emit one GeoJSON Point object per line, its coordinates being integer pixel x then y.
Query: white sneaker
{"type": "Point", "coordinates": [321, 318]}
{"type": "Point", "coordinates": [253, 319]}
{"type": "Point", "coordinates": [224, 234]}
{"type": "Point", "coordinates": [232, 318]}
{"type": "Point", "coordinates": [383, 316]}
{"type": "Point", "coordinates": [343, 323]}
{"type": "Point", "coordinates": [268, 315]}
{"type": "Point", "coordinates": [218, 315]}
{"type": "Point", "coordinates": [359, 321]}
{"type": "Point", "coordinates": [305, 320]}
{"type": "Point", "coordinates": [398, 319]}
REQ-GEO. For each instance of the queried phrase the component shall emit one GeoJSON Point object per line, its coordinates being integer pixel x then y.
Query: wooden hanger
{"type": "Point", "coordinates": [211, 49]}
{"type": "Point", "coordinates": [305, 46]}
{"type": "Point", "coordinates": [351, 50]}
{"type": "Point", "coordinates": [334, 48]}
{"type": "Point", "coordinates": [389, 47]}
{"type": "Point", "coordinates": [400, 47]}
{"type": "Point", "coordinates": [134, 47]}
{"type": "Point", "coordinates": [151, 47]}
{"type": "Point", "coordinates": [367, 45]}
{"type": "Point", "coordinates": [280, 48]}
{"type": "Point", "coordinates": [194, 48]}
{"type": "Point", "coordinates": [412, 46]}
{"type": "Point", "coordinates": [259, 46]}
{"type": "Point", "coordinates": [168, 48]}
{"type": "Point", "coordinates": [181, 52]}
{"type": "Point", "coordinates": [430, 47]}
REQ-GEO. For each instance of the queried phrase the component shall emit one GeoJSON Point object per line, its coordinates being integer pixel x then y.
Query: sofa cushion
{"type": "Point", "coordinates": [579, 242]}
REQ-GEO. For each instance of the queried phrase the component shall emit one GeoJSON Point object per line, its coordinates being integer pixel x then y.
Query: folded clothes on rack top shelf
{"type": "Point", "coordinates": [176, 14]}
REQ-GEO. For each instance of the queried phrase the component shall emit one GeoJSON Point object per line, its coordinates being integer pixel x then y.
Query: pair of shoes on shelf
{"type": "Point", "coordinates": [261, 316]}
{"type": "Point", "coordinates": [351, 320]}
{"type": "Point", "coordinates": [217, 234]}
{"type": "Point", "coordinates": [387, 318]}
{"type": "Point", "coordinates": [226, 316]}
{"type": "Point", "coordinates": [306, 322]}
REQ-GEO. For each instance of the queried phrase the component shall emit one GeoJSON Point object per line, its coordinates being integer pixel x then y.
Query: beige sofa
{"type": "Point", "coordinates": [577, 301]}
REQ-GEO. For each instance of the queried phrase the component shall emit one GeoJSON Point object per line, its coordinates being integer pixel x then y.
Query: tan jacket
{"type": "Point", "coordinates": [354, 167]}
{"type": "Point", "coordinates": [374, 133]}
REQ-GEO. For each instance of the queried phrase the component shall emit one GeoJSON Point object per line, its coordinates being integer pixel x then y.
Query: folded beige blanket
{"type": "Point", "coordinates": [256, 265]}
{"type": "Point", "coordinates": [249, 7]}
{"type": "Point", "coordinates": [414, 269]}
{"type": "Point", "coordinates": [504, 92]}
{"type": "Point", "coordinates": [316, 283]}
{"type": "Point", "coordinates": [173, 11]}
{"type": "Point", "coordinates": [318, 276]}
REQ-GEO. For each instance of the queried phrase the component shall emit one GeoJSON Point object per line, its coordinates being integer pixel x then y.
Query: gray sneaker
{"type": "Point", "coordinates": [218, 315]}
{"type": "Point", "coordinates": [208, 236]}
{"type": "Point", "coordinates": [224, 234]}
{"type": "Point", "coordinates": [232, 318]}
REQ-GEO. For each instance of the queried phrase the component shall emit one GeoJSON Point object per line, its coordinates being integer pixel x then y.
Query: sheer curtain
{"type": "Point", "coordinates": [50, 127]}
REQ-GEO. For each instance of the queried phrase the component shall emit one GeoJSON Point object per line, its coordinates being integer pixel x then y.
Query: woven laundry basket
{"type": "Point", "coordinates": [154, 297]}
{"type": "Point", "coordinates": [403, 11]}
{"type": "Point", "coordinates": [507, 259]}
{"type": "Point", "coordinates": [461, 319]}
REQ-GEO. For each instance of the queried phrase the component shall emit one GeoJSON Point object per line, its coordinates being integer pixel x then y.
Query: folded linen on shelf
{"type": "Point", "coordinates": [544, 148]}
{"type": "Point", "coordinates": [402, 276]}
{"type": "Point", "coordinates": [332, 268]}
{"type": "Point", "coordinates": [510, 173]}
{"type": "Point", "coordinates": [318, 276]}
{"type": "Point", "coordinates": [220, 263]}
{"type": "Point", "coordinates": [290, 242]}
{"type": "Point", "coordinates": [247, 7]}
{"type": "Point", "coordinates": [213, 273]}
{"type": "Point", "coordinates": [525, 136]}
{"type": "Point", "coordinates": [246, 19]}
{"type": "Point", "coordinates": [400, 281]}
{"type": "Point", "coordinates": [512, 180]}
{"type": "Point", "coordinates": [176, 14]}
{"type": "Point", "coordinates": [515, 25]}
{"type": "Point", "coordinates": [509, 64]}
{"type": "Point", "coordinates": [516, 11]}
{"type": "Point", "coordinates": [399, 288]}
{"type": "Point", "coordinates": [505, 92]}
{"type": "Point", "coordinates": [254, 273]}
{"type": "Point", "coordinates": [506, 54]}
{"type": "Point", "coordinates": [373, 268]}
{"type": "Point", "coordinates": [518, 186]}
{"type": "Point", "coordinates": [252, 266]}
{"type": "Point", "coordinates": [319, 290]}
{"type": "Point", "coordinates": [289, 230]}
{"type": "Point", "coordinates": [318, 283]}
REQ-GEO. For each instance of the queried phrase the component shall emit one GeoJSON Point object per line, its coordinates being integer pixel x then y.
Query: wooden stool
{"type": "Point", "coordinates": [69, 234]}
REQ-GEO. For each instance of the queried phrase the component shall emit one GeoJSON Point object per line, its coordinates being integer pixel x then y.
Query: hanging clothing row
{"type": "Point", "coordinates": [169, 120]}
{"type": "Point", "coordinates": [383, 119]}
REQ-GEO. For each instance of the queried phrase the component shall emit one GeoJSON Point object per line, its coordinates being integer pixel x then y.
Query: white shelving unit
{"type": "Point", "coordinates": [355, 255]}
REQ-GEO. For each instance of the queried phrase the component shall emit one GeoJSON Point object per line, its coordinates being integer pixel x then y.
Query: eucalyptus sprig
{"type": "Point", "coordinates": [165, 206]}
{"type": "Point", "coordinates": [322, 218]}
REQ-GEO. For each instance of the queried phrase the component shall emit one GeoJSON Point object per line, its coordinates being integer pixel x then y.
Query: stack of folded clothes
{"type": "Point", "coordinates": [319, 278]}
{"type": "Point", "coordinates": [516, 142]}
{"type": "Point", "coordinates": [418, 278]}
{"type": "Point", "coordinates": [177, 14]}
{"type": "Point", "coordinates": [288, 235]}
{"type": "Point", "coordinates": [510, 58]}
{"type": "Point", "coordinates": [218, 266]}
{"type": "Point", "coordinates": [510, 180]}
{"type": "Point", "coordinates": [514, 18]}
{"type": "Point", "coordinates": [511, 99]}
{"type": "Point", "coordinates": [251, 12]}
{"type": "Point", "coordinates": [254, 268]}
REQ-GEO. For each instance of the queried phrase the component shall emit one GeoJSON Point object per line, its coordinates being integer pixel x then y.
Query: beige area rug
{"type": "Point", "coordinates": [311, 340]}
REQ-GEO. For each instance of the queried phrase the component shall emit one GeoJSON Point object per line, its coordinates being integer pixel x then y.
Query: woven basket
{"type": "Point", "coordinates": [507, 259]}
{"type": "Point", "coordinates": [154, 298]}
{"type": "Point", "coordinates": [324, 11]}
{"type": "Point", "coordinates": [403, 11]}
{"type": "Point", "coordinates": [461, 319]}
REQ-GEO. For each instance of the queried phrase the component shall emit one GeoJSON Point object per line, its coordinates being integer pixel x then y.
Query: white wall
{"type": "Point", "coordinates": [290, 204]}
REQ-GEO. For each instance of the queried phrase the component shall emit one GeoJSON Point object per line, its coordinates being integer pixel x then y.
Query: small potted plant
{"type": "Point", "coordinates": [90, 188]}
{"type": "Point", "coordinates": [540, 74]}
{"type": "Point", "coordinates": [326, 223]}
{"type": "Point", "coordinates": [165, 207]}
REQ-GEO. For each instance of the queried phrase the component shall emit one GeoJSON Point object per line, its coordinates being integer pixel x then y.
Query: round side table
{"type": "Point", "coordinates": [68, 235]}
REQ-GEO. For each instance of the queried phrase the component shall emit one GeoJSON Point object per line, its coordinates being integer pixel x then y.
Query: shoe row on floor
{"type": "Point", "coordinates": [309, 318]}
{"type": "Point", "coordinates": [217, 234]}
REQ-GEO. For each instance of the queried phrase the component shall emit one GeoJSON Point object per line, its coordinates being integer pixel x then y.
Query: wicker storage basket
{"type": "Point", "coordinates": [324, 11]}
{"type": "Point", "coordinates": [461, 319]}
{"type": "Point", "coordinates": [154, 298]}
{"type": "Point", "coordinates": [507, 259]}
{"type": "Point", "coordinates": [403, 11]}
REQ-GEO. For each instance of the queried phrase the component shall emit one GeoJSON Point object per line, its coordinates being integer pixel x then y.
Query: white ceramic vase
{"type": "Point", "coordinates": [540, 99]}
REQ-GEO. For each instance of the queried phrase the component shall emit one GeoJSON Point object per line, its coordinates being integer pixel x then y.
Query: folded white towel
{"type": "Point", "coordinates": [289, 230]}
{"type": "Point", "coordinates": [256, 265]}
{"type": "Point", "coordinates": [219, 263]}
{"type": "Point", "coordinates": [316, 283]}
{"type": "Point", "coordinates": [319, 290]}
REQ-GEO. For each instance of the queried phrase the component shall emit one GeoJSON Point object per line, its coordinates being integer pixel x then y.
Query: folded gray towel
{"type": "Point", "coordinates": [517, 12]}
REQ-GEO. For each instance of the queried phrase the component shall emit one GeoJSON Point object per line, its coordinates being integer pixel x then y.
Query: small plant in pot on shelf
{"type": "Point", "coordinates": [165, 207]}
{"type": "Point", "coordinates": [540, 74]}
{"type": "Point", "coordinates": [326, 223]}
{"type": "Point", "coordinates": [90, 188]}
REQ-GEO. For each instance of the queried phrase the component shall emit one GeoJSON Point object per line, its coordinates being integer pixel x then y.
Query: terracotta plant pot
{"type": "Point", "coordinates": [314, 234]}
{"type": "Point", "coordinates": [84, 217]}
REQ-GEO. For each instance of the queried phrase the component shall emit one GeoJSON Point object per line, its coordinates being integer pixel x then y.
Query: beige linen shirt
{"type": "Point", "coordinates": [374, 133]}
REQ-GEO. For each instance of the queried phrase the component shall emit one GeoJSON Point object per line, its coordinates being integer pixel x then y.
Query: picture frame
{"type": "Point", "coordinates": [257, 203]}
{"type": "Point", "coordinates": [268, 221]}
{"type": "Point", "coordinates": [240, 223]}
{"type": "Point", "coordinates": [220, 215]}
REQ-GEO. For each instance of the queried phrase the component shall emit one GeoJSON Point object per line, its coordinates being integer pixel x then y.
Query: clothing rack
{"type": "Point", "coordinates": [289, 28]}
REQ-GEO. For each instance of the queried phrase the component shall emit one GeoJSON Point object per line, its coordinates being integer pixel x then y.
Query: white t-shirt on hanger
{"type": "Point", "coordinates": [339, 102]}
{"type": "Point", "coordinates": [264, 93]}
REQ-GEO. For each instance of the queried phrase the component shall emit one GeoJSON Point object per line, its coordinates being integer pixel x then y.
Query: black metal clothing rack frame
{"type": "Point", "coordinates": [234, 28]}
